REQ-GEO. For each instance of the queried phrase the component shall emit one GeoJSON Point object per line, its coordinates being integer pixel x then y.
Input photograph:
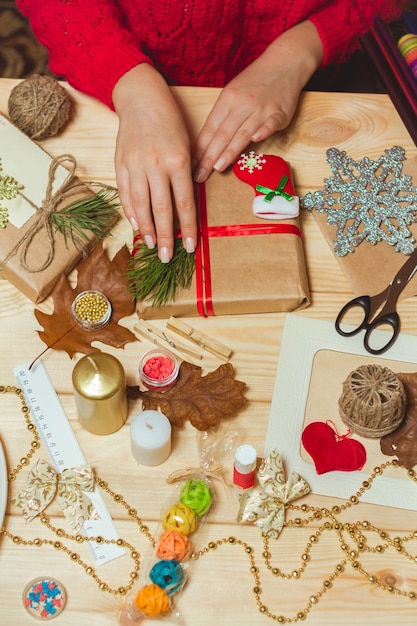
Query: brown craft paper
{"type": "Point", "coordinates": [370, 268]}
{"type": "Point", "coordinates": [29, 164]}
{"type": "Point", "coordinates": [249, 274]}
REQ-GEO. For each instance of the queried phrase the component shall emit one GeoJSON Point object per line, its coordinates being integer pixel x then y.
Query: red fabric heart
{"type": "Point", "coordinates": [331, 451]}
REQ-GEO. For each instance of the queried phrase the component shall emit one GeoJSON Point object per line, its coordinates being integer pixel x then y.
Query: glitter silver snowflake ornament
{"type": "Point", "coordinates": [367, 201]}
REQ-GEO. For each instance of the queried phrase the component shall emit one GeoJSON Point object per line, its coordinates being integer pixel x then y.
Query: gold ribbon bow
{"type": "Point", "coordinates": [44, 483]}
{"type": "Point", "coordinates": [43, 220]}
{"type": "Point", "coordinates": [265, 504]}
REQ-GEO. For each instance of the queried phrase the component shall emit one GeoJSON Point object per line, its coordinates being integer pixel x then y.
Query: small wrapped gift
{"type": "Point", "coordinates": [32, 186]}
{"type": "Point", "coordinates": [244, 264]}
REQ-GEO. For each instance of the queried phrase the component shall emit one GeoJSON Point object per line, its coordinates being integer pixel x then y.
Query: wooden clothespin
{"type": "Point", "coordinates": [159, 337]}
{"type": "Point", "coordinates": [202, 341]}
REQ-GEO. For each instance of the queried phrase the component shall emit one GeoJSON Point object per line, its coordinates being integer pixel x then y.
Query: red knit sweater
{"type": "Point", "coordinates": [92, 43]}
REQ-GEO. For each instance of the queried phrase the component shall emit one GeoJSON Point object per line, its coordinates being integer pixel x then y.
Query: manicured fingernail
{"type": "Point", "coordinates": [149, 240]}
{"type": "Point", "coordinates": [133, 223]}
{"type": "Point", "coordinates": [219, 164]}
{"type": "Point", "coordinates": [200, 176]}
{"type": "Point", "coordinates": [164, 255]}
{"type": "Point", "coordinates": [189, 244]}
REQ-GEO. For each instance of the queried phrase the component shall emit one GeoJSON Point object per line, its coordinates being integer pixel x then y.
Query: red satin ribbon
{"type": "Point", "coordinates": [204, 296]}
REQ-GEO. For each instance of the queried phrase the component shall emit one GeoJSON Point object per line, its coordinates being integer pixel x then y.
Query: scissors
{"type": "Point", "coordinates": [384, 302]}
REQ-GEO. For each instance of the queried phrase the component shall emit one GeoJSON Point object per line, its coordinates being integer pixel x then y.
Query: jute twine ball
{"type": "Point", "coordinates": [373, 401]}
{"type": "Point", "coordinates": [39, 106]}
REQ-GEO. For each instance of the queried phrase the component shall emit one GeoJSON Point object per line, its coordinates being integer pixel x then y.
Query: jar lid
{"type": "Point", "coordinates": [44, 598]}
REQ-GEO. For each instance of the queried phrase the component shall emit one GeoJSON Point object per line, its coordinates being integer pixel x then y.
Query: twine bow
{"type": "Point", "coordinates": [44, 483]}
{"type": "Point", "coordinates": [265, 504]}
{"type": "Point", "coordinates": [271, 193]}
{"type": "Point", "coordinates": [43, 220]}
{"type": "Point", "coordinates": [214, 470]}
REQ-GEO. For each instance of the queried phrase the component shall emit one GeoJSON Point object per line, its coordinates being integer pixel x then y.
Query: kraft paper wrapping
{"type": "Point", "coordinates": [370, 268]}
{"type": "Point", "coordinates": [260, 273]}
{"type": "Point", "coordinates": [26, 162]}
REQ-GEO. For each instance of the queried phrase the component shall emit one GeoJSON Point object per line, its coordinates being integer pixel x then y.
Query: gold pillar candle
{"type": "Point", "coordinates": [99, 385]}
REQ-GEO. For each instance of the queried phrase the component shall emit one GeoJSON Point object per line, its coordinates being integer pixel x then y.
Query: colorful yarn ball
{"type": "Point", "coordinates": [39, 106]}
{"type": "Point", "coordinates": [152, 601]}
{"type": "Point", "coordinates": [196, 495]}
{"type": "Point", "coordinates": [180, 517]}
{"type": "Point", "coordinates": [169, 575]}
{"type": "Point", "coordinates": [173, 545]}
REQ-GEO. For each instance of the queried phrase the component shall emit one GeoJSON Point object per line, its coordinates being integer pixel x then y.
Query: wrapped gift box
{"type": "Point", "coordinates": [25, 240]}
{"type": "Point", "coordinates": [256, 269]}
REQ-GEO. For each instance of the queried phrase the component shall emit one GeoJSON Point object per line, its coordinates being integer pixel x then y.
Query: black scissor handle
{"type": "Point", "coordinates": [362, 302]}
{"type": "Point", "coordinates": [388, 319]}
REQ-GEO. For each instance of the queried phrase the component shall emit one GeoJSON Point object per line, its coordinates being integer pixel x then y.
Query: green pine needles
{"type": "Point", "coordinates": [95, 214]}
{"type": "Point", "coordinates": [149, 279]}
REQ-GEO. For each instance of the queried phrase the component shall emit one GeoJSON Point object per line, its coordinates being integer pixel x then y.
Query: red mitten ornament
{"type": "Point", "coordinates": [331, 451]}
{"type": "Point", "coordinates": [270, 176]}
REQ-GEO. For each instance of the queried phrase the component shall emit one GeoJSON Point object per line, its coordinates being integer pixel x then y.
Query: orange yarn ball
{"type": "Point", "coordinates": [172, 545]}
{"type": "Point", "coordinates": [180, 517]}
{"type": "Point", "coordinates": [152, 601]}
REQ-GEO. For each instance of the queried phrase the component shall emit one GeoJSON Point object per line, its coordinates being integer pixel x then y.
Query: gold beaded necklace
{"type": "Point", "coordinates": [305, 515]}
{"type": "Point", "coordinates": [78, 538]}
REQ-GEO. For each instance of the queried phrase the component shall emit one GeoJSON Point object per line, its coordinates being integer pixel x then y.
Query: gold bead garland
{"type": "Point", "coordinates": [78, 538]}
{"type": "Point", "coordinates": [351, 536]}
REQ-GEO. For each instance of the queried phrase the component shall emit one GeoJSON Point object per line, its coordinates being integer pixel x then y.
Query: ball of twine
{"type": "Point", "coordinates": [39, 106]}
{"type": "Point", "coordinates": [152, 601]}
{"type": "Point", "coordinates": [180, 517]}
{"type": "Point", "coordinates": [173, 545]}
{"type": "Point", "coordinates": [197, 496]}
{"type": "Point", "coordinates": [169, 575]}
{"type": "Point", "coordinates": [373, 401]}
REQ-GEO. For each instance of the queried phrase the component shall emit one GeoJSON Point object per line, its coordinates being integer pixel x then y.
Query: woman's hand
{"type": "Point", "coordinates": [153, 161]}
{"type": "Point", "coordinates": [259, 101]}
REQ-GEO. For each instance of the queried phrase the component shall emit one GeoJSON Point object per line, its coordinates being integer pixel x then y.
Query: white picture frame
{"type": "Point", "coordinates": [302, 338]}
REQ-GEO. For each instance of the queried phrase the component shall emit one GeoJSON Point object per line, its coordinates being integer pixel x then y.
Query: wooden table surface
{"type": "Point", "coordinates": [219, 587]}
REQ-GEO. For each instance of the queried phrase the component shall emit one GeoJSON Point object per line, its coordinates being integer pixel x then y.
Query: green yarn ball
{"type": "Point", "coordinates": [197, 496]}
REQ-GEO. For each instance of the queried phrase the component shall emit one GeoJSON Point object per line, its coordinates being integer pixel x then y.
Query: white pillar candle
{"type": "Point", "coordinates": [150, 438]}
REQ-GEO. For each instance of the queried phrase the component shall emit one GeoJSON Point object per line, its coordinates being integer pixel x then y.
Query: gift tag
{"type": "Point", "coordinates": [64, 450]}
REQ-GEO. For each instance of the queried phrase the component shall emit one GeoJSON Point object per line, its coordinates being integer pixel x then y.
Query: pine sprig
{"type": "Point", "coordinates": [94, 214]}
{"type": "Point", "coordinates": [148, 278]}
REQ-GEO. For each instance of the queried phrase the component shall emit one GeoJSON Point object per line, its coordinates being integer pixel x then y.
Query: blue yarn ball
{"type": "Point", "coordinates": [169, 575]}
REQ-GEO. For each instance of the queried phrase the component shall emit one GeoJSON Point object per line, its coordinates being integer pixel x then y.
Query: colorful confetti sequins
{"type": "Point", "coordinates": [44, 598]}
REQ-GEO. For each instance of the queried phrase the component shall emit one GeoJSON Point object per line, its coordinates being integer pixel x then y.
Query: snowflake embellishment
{"type": "Point", "coordinates": [367, 201]}
{"type": "Point", "coordinates": [9, 189]}
{"type": "Point", "coordinates": [251, 161]}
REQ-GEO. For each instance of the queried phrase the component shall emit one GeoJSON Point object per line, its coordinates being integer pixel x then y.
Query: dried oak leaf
{"type": "Point", "coordinates": [203, 400]}
{"type": "Point", "coordinates": [95, 272]}
{"type": "Point", "coordinates": [403, 441]}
